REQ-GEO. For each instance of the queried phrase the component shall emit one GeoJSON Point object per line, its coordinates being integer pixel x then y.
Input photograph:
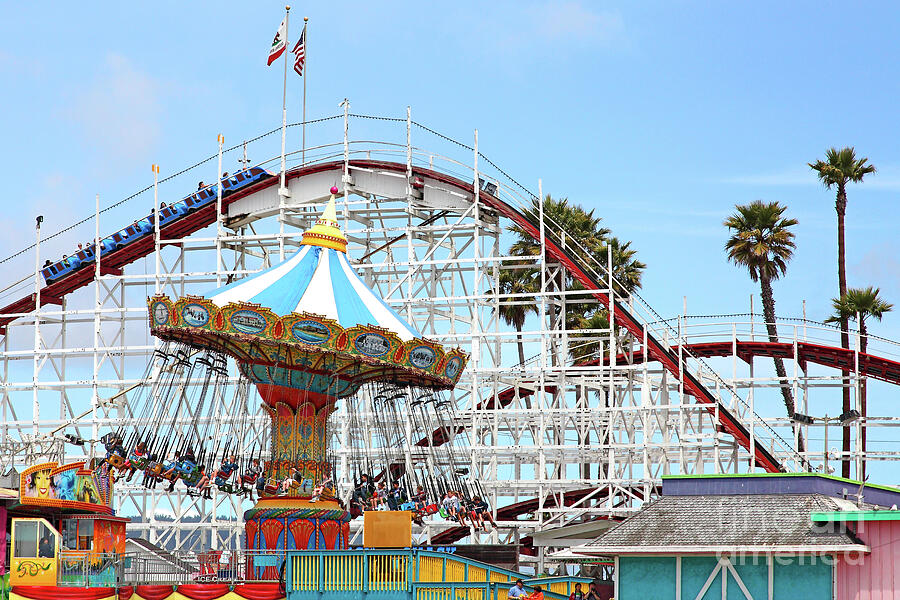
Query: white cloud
{"type": "Point", "coordinates": [553, 25]}
{"type": "Point", "coordinates": [788, 177]}
{"type": "Point", "coordinates": [886, 178]}
{"type": "Point", "coordinates": [19, 65]}
{"type": "Point", "coordinates": [879, 267]}
{"type": "Point", "coordinates": [574, 20]}
{"type": "Point", "coordinates": [119, 111]}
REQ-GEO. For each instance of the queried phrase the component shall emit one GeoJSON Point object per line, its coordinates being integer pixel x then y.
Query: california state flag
{"type": "Point", "coordinates": [278, 44]}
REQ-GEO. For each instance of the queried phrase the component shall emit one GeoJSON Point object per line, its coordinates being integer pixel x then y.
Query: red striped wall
{"type": "Point", "coordinates": [875, 576]}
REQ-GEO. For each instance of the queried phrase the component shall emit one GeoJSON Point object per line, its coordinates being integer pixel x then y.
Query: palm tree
{"type": "Point", "coordinates": [514, 311]}
{"type": "Point", "coordinates": [839, 168]}
{"type": "Point", "coordinates": [627, 269]}
{"type": "Point", "coordinates": [568, 225]}
{"type": "Point", "coordinates": [577, 231]}
{"type": "Point", "coordinates": [860, 304]}
{"type": "Point", "coordinates": [589, 347]}
{"type": "Point", "coordinates": [581, 234]}
{"type": "Point", "coordinates": [627, 274]}
{"type": "Point", "coordinates": [762, 241]}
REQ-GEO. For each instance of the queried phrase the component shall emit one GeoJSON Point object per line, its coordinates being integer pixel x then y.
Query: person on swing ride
{"type": "Point", "coordinates": [327, 483]}
{"type": "Point", "coordinates": [137, 458]}
{"type": "Point", "coordinates": [188, 460]}
{"type": "Point", "coordinates": [362, 492]}
{"type": "Point", "coordinates": [292, 481]}
{"type": "Point", "coordinates": [225, 470]}
{"type": "Point", "coordinates": [450, 505]}
{"type": "Point", "coordinates": [420, 498]}
{"type": "Point", "coordinates": [380, 497]}
{"type": "Point", "coordinates": [396, 496]}
{"type": "Point", "coordinates": [204, 483]}
{"type": "Point", "coordinates": [114, 448]}
{"type": "Point", "coordinates": [465, 508]}
{"type": "Point", "coordinates": [249, 479]}
{"type": "Point", "coordinates": [169, 472]}
{"type": "Point", "coordinates": [481, 513]}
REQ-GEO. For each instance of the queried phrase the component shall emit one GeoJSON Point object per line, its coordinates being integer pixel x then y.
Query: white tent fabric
{"type": "Point", "coordinates": [316, 280]}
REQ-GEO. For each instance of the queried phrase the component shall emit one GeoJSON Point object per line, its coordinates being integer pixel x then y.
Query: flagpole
{"type": "Point", "coordinates": [282, 192]}
{"type": "Point", "coordinates": [305, 75]}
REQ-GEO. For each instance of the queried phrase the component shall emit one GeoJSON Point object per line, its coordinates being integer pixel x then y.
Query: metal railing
{"type": "Point", "coordinates": [79, 568]}
{"type": "Point", "coordinates": [425, 574]}
{"type": "Point", "coordinates": [91, 569]}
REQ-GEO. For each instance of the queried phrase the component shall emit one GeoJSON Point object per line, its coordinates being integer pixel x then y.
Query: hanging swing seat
{"type": "Point", "coordinates": [228, 488]}
{"type": "Point", "coordinates": [138, 462]}
{"type": "Point", "coordinates": [186, 468]}
{"type": "Point", "coordinates": [117, 461]}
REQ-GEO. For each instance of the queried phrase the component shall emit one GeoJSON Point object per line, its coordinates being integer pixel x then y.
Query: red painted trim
{"type": "Point", "coordinates": [203, 591]}
{"type": "Point", "coordinates": [259, 591]}
{"type": "Point", "coordinates": [870, 365]}
{"type": "Point", "coordinates": [153, 592]}
{"type": "Point", "coordinates": [48, 592]}
{"type": "Point", "coordinates": [125, 593]}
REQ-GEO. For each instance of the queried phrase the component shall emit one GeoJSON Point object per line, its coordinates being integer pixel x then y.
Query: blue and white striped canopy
{"type": "Point", "coordinates": [316, 280]}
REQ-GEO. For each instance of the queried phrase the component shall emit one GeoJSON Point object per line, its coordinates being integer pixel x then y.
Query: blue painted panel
{"type": "Point", "coordinates": [794, 483]}
{"type": "Point", "coordinates": [695, 571]}
{"type": "Point", "coordinates": [802, 578]}
{"type": "Point", "coordinates": [646, 578]}
{"type": "Point", "coordinates": [754, 572]}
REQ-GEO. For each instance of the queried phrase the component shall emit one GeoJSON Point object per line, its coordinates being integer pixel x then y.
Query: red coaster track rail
{"type": "Point", "coordinates": [655, 350]}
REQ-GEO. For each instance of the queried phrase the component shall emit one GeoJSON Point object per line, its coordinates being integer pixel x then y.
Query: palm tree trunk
{"type": "Point", "coordinates": [863, 344]}
{"type": "Point", "coordinates": [768, 300]}
{"type": "Point", "coordinates": [840, 205]}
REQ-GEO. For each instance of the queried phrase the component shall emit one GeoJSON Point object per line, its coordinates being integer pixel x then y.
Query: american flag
{"type": "Point", "coordinates": [300, 53]}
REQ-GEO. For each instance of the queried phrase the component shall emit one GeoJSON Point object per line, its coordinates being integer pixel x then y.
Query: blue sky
{"type": "Point", "coordinates": [659, 115]}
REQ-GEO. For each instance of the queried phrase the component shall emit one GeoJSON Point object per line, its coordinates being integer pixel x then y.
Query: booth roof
{"type": "Point", "coordinates": [709, 524]}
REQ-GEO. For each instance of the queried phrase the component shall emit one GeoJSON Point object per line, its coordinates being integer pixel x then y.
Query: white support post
{"type": "Point", "coordinates": [612, 321]}
{"type": "Point", "coordinates": [283, 192]}
{"type": "Point", "coordinates": [345, 179]}
{"type": "Point", "coordinates": [857, 389]}
{"type": "Point", "coordinates": [220, 139]}
{"type": "Point", "coordinates": [156, 245]}
{"type": "Point", "coordinates": [95, 390]}
{"type": "Point", "coordinates": [36, 364]}
{"type": "Point", "coordinates": [476, 288]}
{"type": "Point", "coordinates": [305, 77]}
{"type": "Point", "coordinates": [752, 415]}
{"type": "Point", "coordinates": [408, 151]}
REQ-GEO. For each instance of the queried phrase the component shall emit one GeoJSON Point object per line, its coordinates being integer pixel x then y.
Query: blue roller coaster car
{"type": "Point", "coordinates": [145, 226]}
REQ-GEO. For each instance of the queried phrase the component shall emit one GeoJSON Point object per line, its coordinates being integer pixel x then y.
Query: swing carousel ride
{"type": "Point", "coordinates": [306, 333]}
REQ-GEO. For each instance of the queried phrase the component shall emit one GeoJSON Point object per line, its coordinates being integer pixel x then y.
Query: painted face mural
{"type": "Point", "coordinates": [41, 485]}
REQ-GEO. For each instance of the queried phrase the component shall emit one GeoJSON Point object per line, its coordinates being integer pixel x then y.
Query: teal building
{"type": "Point", "coordinates": [734, 537]}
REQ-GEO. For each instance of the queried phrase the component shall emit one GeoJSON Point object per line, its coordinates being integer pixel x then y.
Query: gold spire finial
{"type": "Point", "coordinates": [326, 232]}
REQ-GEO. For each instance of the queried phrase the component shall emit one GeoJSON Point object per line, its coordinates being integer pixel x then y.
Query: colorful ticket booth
{"type": "Point", "coordinates": [63, 530]}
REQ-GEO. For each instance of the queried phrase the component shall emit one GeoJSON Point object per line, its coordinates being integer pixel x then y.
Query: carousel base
{"type": "Point", "coordinates": [297, 524]}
